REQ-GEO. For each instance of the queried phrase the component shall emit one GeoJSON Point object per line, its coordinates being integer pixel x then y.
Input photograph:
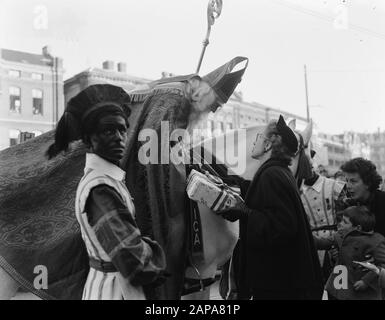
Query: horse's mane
{"type": "Point", "coordinates": [304, 170]}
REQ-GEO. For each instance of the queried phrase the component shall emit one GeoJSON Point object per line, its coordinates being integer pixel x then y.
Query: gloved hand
{"type": "Point", "coordinates": [334, 253]}
{"type": "Point", "coordinates": [360, 286]}
{"type": "Point", "coordinates": [160, 279]}
{"type": "Point", "coordinates": [235, 213]}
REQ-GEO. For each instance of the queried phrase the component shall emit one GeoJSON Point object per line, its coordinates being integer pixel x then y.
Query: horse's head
{"type": "Point", "coordinates": [302, 163]}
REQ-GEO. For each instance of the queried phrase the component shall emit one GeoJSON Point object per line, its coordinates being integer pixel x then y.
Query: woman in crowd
{"type": "Point", "coordinates": [363, 182]}
{"type": "Point", "coordinates": [278, 259]}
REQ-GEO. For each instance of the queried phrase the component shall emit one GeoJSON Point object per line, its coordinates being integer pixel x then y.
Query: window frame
{"type": "Point", "coordinates": [11, 73]}
{"type": "Point", "coordinates": [39, 78]}
{"type": "Point", "coordinates": [11, 94]}
{"type": "Point", "coordinates": [34, 90]}
{"type": "Point", "coordinates": [13, 140]}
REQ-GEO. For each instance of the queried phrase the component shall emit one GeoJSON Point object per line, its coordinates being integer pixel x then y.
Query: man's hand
{"type": "Point", "coordinates": [360, 286]}
{"type": "Point", "coordinates": [231, 215]}
{"type": "Point", "coordinates": [368, 266]}
{"type": "Point", "coordinates": [235, 213]}
{"type": "Point", "coordinates": [334, 254]}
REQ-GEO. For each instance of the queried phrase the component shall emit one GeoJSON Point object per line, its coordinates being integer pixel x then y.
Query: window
{"type": "Point", "coordinates": [337, 163]}
{"type": "Point", "coordinates": [210, 126]}
{"type": "Point", "coordinates": [14, 100]}
{"type": "Point", "coordinates": [25, 136]}
{"type": "Point", "coordinates": [14, 73]}
{"type": "Point", "coordinates": [14, 136]}
{"type": "Point", "coordinates": [37, 101]}
{"type": "Point", "coordinates": [229, 126]}
{"type": "Point", "coordinates": [221, 126]}
{"type": "Point", "coordinates": [37, 76]}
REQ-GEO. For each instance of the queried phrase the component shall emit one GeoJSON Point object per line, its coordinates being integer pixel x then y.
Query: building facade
{"type": "Point", "coordinates": [31, 94]}
{"type": "Point", "coordinates": [377, 151]}
{"type": "Point", "coordinates": [340, 148]}
{"type": "Point", "coordinates": [359, 144]}
{"type": "Point", "coordinates": [335, 152]}
{"type": "Point", "coordinates": [105, 75]}
{"type": "Point", "coordinates": [236, 113]}
{"type": "Point", "coordinates": [241, 114]}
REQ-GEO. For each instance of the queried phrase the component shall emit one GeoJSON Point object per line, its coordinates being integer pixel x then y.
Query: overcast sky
{"type": "Point", "coordinates": [341, 42]}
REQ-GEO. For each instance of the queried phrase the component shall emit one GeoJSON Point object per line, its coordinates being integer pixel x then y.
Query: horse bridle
{"type": "Point", "coordinates": [301, 147]}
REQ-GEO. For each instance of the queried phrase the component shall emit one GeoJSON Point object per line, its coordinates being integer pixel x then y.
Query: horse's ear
{"type": "Point", "coordinates": [292, 124]}
{"type": "Point", "coordinates": [307, 133]}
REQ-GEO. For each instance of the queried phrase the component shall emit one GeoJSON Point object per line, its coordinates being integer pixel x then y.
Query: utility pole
{"type": "Point", "coordinates": [307, 96]}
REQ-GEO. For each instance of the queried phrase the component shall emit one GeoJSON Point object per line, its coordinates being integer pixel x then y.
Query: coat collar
{"type": "Point", "coordinates": [95, 162]}
{"type": "Point", "coordinates": [355, 232]}
{"type": "Point", "coordinates": [273, 162]}
{"type": "Point", "coordinates": [317, 186]}
{"type": "Point", "coordinates": [267, 164]}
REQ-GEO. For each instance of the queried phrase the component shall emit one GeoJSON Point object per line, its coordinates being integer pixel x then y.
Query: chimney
{"type": "Point", "coordinates": [47, 52]}
{"type": "Point", "coordinates": [108, 65]}
{"type": "Point", "coordinates": [166, 74]}
{"type": "Point", "coordinates": [122, 67]}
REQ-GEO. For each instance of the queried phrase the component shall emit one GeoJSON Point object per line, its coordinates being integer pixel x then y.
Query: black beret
{"type": "Point", "coordinates": [288, 136]}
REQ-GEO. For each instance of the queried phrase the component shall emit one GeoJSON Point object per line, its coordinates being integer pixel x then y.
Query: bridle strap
{"type": "Point", "coordinates": [299, 153]}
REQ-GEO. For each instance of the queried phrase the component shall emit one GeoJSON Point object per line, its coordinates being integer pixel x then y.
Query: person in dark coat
{"type": "Point", "coordinates": [278, 259]}
{"type": "Point", "coordinates": [363, 182]}
{"type": "Point", "coordinates": [356, 241]}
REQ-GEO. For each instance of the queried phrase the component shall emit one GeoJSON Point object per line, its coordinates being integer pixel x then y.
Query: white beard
{"type": "Point", "coordinates": [195, 119]}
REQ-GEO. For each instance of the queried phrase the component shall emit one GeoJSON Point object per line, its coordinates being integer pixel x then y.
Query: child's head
{"type": "Point", "coordinates": [359, 218]}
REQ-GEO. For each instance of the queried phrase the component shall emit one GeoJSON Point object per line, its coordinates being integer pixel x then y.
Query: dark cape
{"type": "Point", "coordinates": [159, 190]}
{"type": "Point", "coordinates": [278, 259]}
{"type": "Point", "coordinates": [37, 203]}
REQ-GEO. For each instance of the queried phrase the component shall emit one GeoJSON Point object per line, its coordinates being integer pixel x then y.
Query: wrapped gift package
{"type": "Point", "coordinates": [210, 191]}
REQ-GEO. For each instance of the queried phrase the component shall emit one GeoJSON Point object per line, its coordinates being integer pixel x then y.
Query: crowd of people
{"type": "Point", "coordinates": [300, 231]}
{"type": "Point", "coordinates": [344, 221]}
{"type": "Point", "coordinates": [281, 226]}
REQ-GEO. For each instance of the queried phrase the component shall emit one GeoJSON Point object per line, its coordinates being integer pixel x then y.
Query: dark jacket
{"type": "Point", "coordinates": [278, 258]}
{"type": "Point", "coordinates": [377, 206]}
{"type": "Point", "coordinates": [355, 245]}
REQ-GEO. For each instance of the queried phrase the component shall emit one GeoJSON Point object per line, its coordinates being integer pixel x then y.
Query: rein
{"type": "Point", "coordinates": [299, 154]}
